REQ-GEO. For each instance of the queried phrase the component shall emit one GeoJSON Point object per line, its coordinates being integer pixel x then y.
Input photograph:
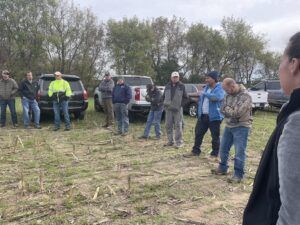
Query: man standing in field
{"type": "Point", "coordinates": [209, 115]}
{"type": "Point", "coordinates": [106, 88]}
{"type": "Point", "coordinates": [60, 92]}
{"type": "Point", "coordinates": [174, 98]}
{"type": "Point", "coordinates": [28, 89]}
{"type": "Point", "coordinates": [237, 109]}
{"type": "Point", "coordinates": [121, 96]}
{"type": "Point", "coordinates": [8, 91]}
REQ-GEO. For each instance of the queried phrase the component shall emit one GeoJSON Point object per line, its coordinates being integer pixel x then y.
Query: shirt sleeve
{"type": "Point", "coordinates": [50, 91]}
{"type": "Point", "coordinates": [289, 171]}
{"type": "Point", "coordinates": [218, 95]}
{"type": "Point", "coordinates": [68, 89]}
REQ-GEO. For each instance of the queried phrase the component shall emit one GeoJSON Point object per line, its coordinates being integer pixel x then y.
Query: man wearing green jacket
{"type": "Point", "coordinates": [60, 92]}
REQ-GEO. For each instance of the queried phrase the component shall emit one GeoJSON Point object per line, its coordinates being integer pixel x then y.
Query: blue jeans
{"type": "Point", "coordinates": [237, 136]}
{"type": "Point", "coordinates": [26, 103]}
{"type": "Point", "coordinates": [64, 105]}
{"type": "Point", "coordinates": [121, 110]}
{"type": "Point", "coordinates": [12, 108]}
{"type": "Point", "coordinates": [154, 118]}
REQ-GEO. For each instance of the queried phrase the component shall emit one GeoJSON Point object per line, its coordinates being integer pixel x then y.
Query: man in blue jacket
{"type": "Point", "coordinates": [209, 115]}
{"type": "Point", "coordinates": [121, 97]}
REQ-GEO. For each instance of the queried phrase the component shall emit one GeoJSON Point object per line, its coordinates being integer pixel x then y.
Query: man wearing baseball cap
{"type": "Point", "coordinates": [8, 91]}
{"type": "Point", "coordinates": [174, 98]}
{"type": "Point", "coordinates": [209, 115]}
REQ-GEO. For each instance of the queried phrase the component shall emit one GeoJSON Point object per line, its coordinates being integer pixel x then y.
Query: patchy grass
{"type": "Point", "coordinates": [78, 177]}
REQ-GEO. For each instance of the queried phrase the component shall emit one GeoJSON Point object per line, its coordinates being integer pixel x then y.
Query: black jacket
{"type": "Point", "coordinates": [264, 202]}
{"type": "Point", "coordinates": [28, 90]}
{"type": "Point", "coordinates": [154, 97]}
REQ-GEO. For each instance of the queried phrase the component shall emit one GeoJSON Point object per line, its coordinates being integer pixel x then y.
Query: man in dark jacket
{"type": "Point", "coordinates": [174, 98]}
{"type": "Point", "coordinates": [106, 88]}
{"type": "Point", "coordinates": [121, 97]}
{"type": "Point", "coordinates": [154, 116]}
{"type": "Point", "coordinates": [28, 89]}
{"type": "Point", "coordinates": [8, 91]}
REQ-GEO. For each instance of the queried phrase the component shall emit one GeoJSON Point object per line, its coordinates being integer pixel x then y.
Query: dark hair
{"type": "Point", "coordinates": [293, 48]}
{"type": "Point", "coordinates": [27, 73]}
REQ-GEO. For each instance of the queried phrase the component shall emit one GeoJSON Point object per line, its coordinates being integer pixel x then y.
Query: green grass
{"type": "Point", "coordinates": [139, 182]}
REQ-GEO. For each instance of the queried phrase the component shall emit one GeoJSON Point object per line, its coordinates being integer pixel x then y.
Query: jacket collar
{"type": "Point", "coordinates": [292, 106]}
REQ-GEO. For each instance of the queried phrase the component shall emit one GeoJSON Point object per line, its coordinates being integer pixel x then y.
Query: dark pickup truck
{"type": "Point", "coordinates": [276, 96]}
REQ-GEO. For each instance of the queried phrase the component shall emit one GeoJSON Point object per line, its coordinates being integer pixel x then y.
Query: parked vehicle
{"type": "Point", "coordinates": [259, 99]}
{"type": "Point", "coordinates": [276, 96]}
{"type": "Point", "coordinates": [193, 91]}
{"type": "Point", "coordinates": [78, 102]}
{"type": "Point", "coordinates": [138, 103]}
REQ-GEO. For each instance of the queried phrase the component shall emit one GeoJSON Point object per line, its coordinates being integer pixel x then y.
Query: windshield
{"type": "Point", "coordinates": [135, 81]}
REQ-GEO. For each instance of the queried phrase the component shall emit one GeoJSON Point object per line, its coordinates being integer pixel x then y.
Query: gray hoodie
{"type": "Point", "coordinates": [106, 87]}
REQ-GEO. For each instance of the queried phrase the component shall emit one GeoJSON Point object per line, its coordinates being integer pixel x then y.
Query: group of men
{"type": "Point", "coordinates": [59, 92]}
{"type": "Point", "coordinates": [213, 107]}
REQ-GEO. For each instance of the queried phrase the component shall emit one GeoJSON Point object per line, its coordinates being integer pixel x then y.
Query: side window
{"type": "Point", "coordinates": [188, 88]}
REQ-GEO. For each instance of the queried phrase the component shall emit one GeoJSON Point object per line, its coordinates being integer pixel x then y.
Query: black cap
{"type": "Point", "coordinates": [107, 74]}
{"type": "Point", "coordinates": [214, 75]}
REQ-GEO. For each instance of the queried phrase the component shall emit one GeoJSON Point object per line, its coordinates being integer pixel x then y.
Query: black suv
{"type": "Point", "coordinates": [78, 102]}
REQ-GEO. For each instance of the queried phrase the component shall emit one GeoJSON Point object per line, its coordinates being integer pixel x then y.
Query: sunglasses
{"type": "Point", "coordinates": [6, 73]}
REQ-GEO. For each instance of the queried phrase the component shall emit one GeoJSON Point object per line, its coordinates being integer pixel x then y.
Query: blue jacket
{"type": "Point", "coordinates": [121, 94]}
{"type": "Point", "coordinates": [215, 98]}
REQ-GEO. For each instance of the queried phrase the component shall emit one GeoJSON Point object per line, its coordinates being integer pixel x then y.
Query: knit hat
{"type": "Point", "coordinates": [107, 74]}
{"type": "Point", "coordinates": [214, 75]}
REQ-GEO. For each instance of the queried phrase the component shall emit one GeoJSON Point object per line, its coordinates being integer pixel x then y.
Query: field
{"type": "Point", "coordinates": [90, 176]}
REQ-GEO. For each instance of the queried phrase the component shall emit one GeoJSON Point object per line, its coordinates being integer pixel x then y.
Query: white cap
{"type": "Point", "coordinates": [175, 74]}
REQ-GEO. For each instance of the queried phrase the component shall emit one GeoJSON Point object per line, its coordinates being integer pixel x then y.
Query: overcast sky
{"type": "Point", "coordinates": [276, 19]}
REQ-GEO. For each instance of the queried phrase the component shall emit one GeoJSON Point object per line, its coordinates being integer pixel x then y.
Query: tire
{"type": "Point", "coordinates": [79, 115]}
{"type": "Point", "coordinates": [192, 110]}
{"type": "Point", "coordinates": [97, 105]}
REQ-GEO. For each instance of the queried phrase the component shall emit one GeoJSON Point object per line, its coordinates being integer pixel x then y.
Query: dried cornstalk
{"type": "Point", "coordinates": [96, 193]}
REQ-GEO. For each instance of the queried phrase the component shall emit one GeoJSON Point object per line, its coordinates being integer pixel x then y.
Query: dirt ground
{"type": "Point", "coordinates": [90, 176]}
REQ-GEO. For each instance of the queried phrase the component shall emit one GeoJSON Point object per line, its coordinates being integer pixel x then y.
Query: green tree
{"type": "Point", "coordinates": [129, 42]}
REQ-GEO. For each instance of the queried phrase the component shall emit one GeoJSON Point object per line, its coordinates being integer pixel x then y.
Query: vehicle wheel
{"type": "Point", "coordinates": [97, 105]}
{"type": "Point", "coordinates": [79, 115]}
{"type": "Point", "coordinates": [192, 109]}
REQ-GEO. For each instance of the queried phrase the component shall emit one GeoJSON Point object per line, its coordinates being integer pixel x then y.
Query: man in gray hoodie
{"type": "Point", "coordinates": [173, 99]}
{"type": "Point", "coordinates": [106, 88]}
{"type": "Point", "coordinates": [8, 91]}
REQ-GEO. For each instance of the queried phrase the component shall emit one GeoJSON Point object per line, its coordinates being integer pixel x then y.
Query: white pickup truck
{"type": "Point", "coordinates": [259, 99]}
{"type": "Point", "coordinates": [138, 103]}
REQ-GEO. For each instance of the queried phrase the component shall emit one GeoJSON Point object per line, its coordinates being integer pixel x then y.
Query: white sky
{"type": "Point", "coordinates": [277, 19]}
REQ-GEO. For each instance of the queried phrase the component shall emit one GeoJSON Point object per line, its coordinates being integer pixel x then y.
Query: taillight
{"type": "Point", "coordinates": [85, 95]}
{"type": "Point", "coordinates": [38, 96]}
{"type": "Point", "coordinates": [137, 96]}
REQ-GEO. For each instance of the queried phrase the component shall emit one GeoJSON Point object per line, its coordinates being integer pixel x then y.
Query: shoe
{"type": "Point", "coordinates": [14, 126]}
{"type": "Point", "coordinates": [109, 127]}
{"type": "Point", "coordinates": [55, 128]}
{"type": "Point", "coordinates": [26, 127]}
{"type": "Point", "coordinates": [37, 127]}
{"type": "Point", "coordinates": [218, 171]}
{"type": "Point", "coordinates": [105, 126]}
{"type": "Point", "coordinates": [157, 138]}
{"type": "Point", "coordinates": [118, 133]}
{"type": "Point", "coordinates": [235, 180]}
{"type": "Point", "coordinates": [190, 155]}
{"type": "Point", "coordinates": [180, 145]}
{"type": "Point", "coordinates": [168, 144]}
{"type": "Point", "coordinates": [124, 134]}
{"type": "Point", "coordinates": [143, 137]}
{"type": "Point", "coordinates": [2, 125]}
{"type": "Point", "coordinates": [67, 129]}
{"type": "Point", "coordinates": [213, 155]}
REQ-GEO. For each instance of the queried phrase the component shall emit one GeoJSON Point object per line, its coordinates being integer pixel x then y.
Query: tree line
{"type": "Point", "coordinates": [48, 35]}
